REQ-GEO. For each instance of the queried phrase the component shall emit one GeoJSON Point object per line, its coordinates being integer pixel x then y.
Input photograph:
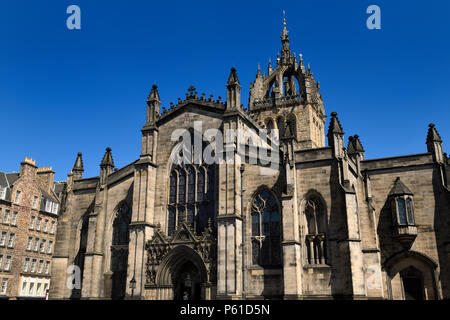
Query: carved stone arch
{"type": "Point", "coordinates": [258, 190]}
{"type": "Point", "coordinates": [268, 83]}
{"type": "Point", "coordinates": [293, 81]}
{"type": "Point", "coordinates": [178, 261]}
{"type": "Point", "coordinates": [412, 275]}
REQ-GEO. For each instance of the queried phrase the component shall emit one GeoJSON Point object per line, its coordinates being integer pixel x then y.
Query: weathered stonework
{"type": "Point", "coordinates": [336, 219]}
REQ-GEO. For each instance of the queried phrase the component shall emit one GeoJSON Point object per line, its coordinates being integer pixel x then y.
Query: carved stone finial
{"type": "Point", "coordinates": [191, 90]}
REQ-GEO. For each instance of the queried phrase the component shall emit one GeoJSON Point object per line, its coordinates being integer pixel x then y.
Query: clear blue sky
{"type": "Point", "coordinates": [64, 91]}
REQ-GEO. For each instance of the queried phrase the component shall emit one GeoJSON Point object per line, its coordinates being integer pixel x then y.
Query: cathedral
{"type": "Point", "coordinates": [317, 221]}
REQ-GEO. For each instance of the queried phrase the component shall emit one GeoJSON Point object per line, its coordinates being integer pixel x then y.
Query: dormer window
{"type": "Point", "coordinates": [402, 206]}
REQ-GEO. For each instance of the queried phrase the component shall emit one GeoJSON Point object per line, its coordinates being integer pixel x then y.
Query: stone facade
{"type": "Point", "coordinates": [323, 223]}
{"type": "Point", "coordinates": [29, 205]}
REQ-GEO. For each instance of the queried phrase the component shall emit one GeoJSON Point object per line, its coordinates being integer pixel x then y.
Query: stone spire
{"type": "Point", "coordinates": [354, 145]}
{"type": "Point", "coordinates": [335, 125]}
{"type": "Point", "coordinates": [153, 105]}
{"type": "Point", "coordinates": [336, 136]}
{"type": "Point", "coordinates": [355, 149]}
{"type": "Point", "coordinates": [107, 159]}
{"type": "Point", "coordinates": [434, 143]}
{"type": "Point", "coordinates": [433, 135]}
{"type": "Point", "coordinates": [233, 91]}
{"type": "Point", "coordinates": [285, 49]}
{"type": "Point", "coordinates": [78, 168]}
{"type": "Point", "coordinates": [106, 166]}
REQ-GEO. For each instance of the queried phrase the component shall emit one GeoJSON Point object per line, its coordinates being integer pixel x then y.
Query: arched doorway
{"type": "Point", "coordinates": [412, 276]}
{"type": "Point", "coordinates": [187, 282]}
{"type": "Point", "coordinates": [182, 273]}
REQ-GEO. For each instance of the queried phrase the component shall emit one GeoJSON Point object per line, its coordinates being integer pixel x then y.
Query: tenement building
{"type": "Point", "coordinates": [29, 207]}
{"type": "Point", "coordinates": [308, 220]}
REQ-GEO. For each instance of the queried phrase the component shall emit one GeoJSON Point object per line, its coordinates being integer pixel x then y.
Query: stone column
{"type": "Point", "coordinates": [141, 226]}
{"type": "Point", "coordinates": [229, 220]}
{"type": "Point", "coordinates": [292, 271]}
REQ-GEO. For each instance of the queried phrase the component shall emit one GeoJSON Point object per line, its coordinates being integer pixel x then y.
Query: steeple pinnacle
{"type": "Point", "coordinates": [233, 78]}
{"type": "Point", "coordinates": [433, 135]}
{"type": "Point", "coordinates": [154, 95]}
{"type": "Point", "coordinates": [335, 125]}
{"type": "Point", "coordinates": [285, 49]}
{"type": "Point", "coordinates": [434, 143]}
{"type": "Point", "coordinates": [78, 166]}
{"type": "Point", "coordinates": [233, 91]}
{"type": "Point", "coordinates": [107, 159]}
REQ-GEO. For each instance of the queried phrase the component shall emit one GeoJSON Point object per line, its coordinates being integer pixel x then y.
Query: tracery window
{"type": "Point", "coordinates": [192, 200]}
{"type": "Point", "coordinates": [316, 232]}
{"type": "Point", "coordinates": [266, 235]}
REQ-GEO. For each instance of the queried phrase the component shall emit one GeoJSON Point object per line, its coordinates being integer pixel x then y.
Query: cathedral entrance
{"type": "Point", "coordinates": [187, 283]}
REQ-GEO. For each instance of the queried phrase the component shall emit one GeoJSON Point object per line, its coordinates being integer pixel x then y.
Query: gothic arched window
{"type": "Point", "coordinates": [266, 235]}
{"type": "Point", "coordinates": [316, 231]}
{"type": "Point", "coordinates": [191, 195]}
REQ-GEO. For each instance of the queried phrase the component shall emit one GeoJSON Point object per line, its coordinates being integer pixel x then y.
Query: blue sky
{"type": "Point", "coordinates": [64, 91]}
